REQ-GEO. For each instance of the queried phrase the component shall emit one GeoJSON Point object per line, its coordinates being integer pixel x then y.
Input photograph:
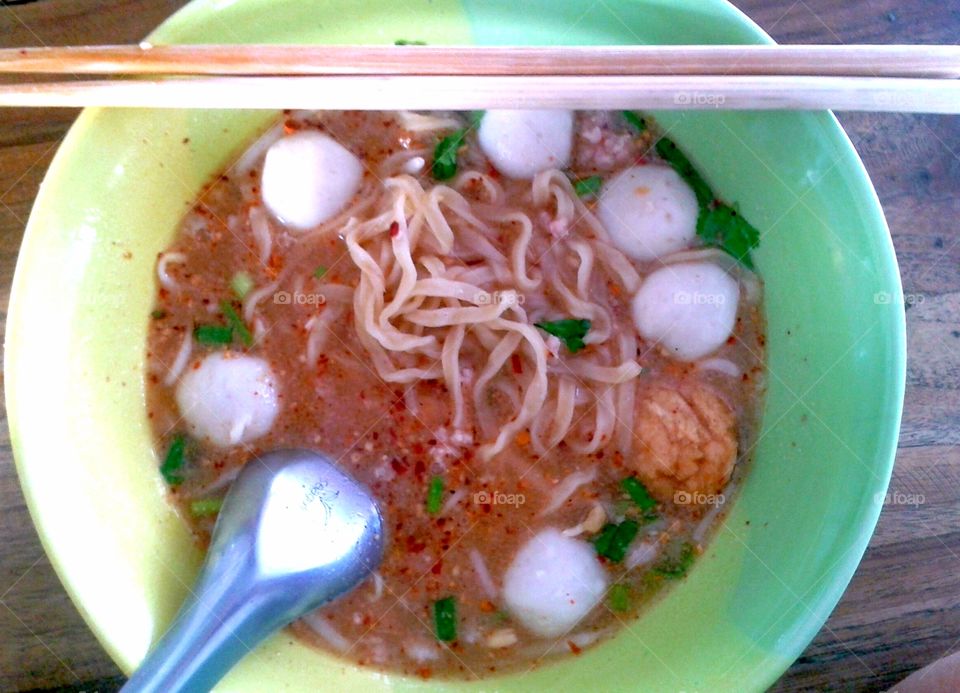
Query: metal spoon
{"type": "Point", "coordinates": [293, 533]}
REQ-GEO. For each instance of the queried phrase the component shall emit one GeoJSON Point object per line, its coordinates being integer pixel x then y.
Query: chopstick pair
{"type": "Point", "coordinates": [874, 78]}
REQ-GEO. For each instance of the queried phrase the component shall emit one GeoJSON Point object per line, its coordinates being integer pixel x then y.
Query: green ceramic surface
{"type": "Point", "coordinates": [123, 178]}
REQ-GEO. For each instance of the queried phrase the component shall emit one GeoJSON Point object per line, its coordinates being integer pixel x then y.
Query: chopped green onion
{"type": "Point", "coordinates": [206, 507]}
{"type": "Point", "coordinates": [674, 568]}
{"type": "Point", "coordinates": [718, 224]}
{"type": "Point", "coordinates": [158, 314]}
{"type": "Point", "coordinates": [639, 493]}
{"type": "Point", "coordinates": [570, 331]}
{"type": "Point", "coordinates": [319, 272]}
{"type": "Point", "coordinates": [445, 618]}
{"type": "Point", "coordinates": [172, 466]}
{"type": "Point", "coordinates": [613, 540]}
{"type": "Point", "coordinates": [618, 598]}
{"type": "Point", "coordinates": [405, 42]}
{"type": "Point", "coordinates": [635, 120]}
{"type": "Point", "coordinates": [213, 335]}
{"type": "Point", "coordinates": [435, 495]}
{"type": "Point", "coordinates": [241, 283]}
{"type": "Point", "coordinates": [236, 324]}
{"type": "Point", "coordinates": [501, 617]}
{"type": "Point", "coordinates": [602, 541]}
{"type": "Point", "coordinates": [445, 155]}
{"type": "Point", "coordinates": [588, 187]}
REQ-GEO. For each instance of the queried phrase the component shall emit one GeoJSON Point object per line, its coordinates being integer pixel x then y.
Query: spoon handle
{"type": "Point", "coordinates": [218, 625]}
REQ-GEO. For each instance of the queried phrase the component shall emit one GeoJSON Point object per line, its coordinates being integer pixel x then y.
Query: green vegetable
{"type": "Point", "coordinates": [571, 332]}
{"type": "Point", "coordinates": [587, 187]}
{"type": "Point", "coordinates": [602, 541]}
{"type": "Point", "coordinates": [319, 272]}
{"type": "Point", "coordinates": [158, 314]}
{"type": "Point", "coordinates": [445, 155]}
{"type": "Point", "coordinates": [635, 120]}
{"type": "Point", "coordinates": [213, 335]}
{"type": "Point", "coordinates": [476, 117]}
{"type": "Point", "coordinates": [206, 507]}
{"type": "Point", "coordinates": [445, 618]}
{"type": "Point", "coordinates": [718, 224]}
{"type": "Point", "coordinates": [405, 42]}
{"type": "Point", "coordinates": [172, 466]}
{"type": "Point", "coordinates": [613, 540]}
{"type": "Point", "coordinates": [673, 568]}
{"type": "Point", "coordinates": [725, 228]}
{"type": "Point", "coordinates": [618, 598]}
{"type": "Point", "coordinates": [435, 495]}
{"type": "Point", "coordinates": [236, 324]}
{"type": "Point", "coordinates": [639, 494]}
{"type": "Point", "coordinates": [241, 283]}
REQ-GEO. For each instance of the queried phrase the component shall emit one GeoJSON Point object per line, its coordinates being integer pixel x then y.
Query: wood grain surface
{"type": "Point", "coordinates": [902, 609]}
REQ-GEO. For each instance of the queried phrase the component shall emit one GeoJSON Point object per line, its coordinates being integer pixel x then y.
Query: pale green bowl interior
{"type": "Point", "coordinates": [123, 178]}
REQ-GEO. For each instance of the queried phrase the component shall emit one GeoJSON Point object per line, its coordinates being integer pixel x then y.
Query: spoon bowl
{"type": "Point", "coordinates": [294, 532]}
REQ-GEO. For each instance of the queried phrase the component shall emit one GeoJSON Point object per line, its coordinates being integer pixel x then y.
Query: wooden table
{"type": "Point", "coordinates": [902, 609]}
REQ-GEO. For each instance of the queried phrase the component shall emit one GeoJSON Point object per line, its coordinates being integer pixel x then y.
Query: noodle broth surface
{"type": "Point", "coordinates": [455, 393]}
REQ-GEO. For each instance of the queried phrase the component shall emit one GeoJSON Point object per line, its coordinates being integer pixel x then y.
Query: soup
{"type": "Point", "coordinates": [536, 336]}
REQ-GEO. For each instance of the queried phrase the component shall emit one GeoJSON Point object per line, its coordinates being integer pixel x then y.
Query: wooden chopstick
{"type": "Point", "coordinates": [378, 92]}
{"type": "Point", "coordinates": [933, 61]}
{"type": "Point", "coordinates": [874, 78]}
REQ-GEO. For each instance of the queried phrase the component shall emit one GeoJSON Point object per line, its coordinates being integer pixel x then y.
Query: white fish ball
{"type": "Point", "coordinates": [308, 177]}
{"type": "Point", "coordinates": [553, 582]}
{"type": "Point", "coordinates": [688, 308]}
{"type": "Point", "coordinates": [649, 211]}
{"type": "Point", "coordinates": [521, 144]}
{"type": "Point", "coordinates": [229, 399]}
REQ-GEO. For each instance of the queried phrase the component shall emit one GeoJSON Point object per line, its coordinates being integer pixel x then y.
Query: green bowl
{"type": "Point", "coordinates": [123, 178]}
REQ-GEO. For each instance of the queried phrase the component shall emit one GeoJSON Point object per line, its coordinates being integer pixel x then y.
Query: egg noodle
{"type": "Point", "coordinates": [447, 293]}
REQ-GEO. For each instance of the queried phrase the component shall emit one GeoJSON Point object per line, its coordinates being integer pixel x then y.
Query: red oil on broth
{"type": "Point", "coordinates": [537, 338]}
